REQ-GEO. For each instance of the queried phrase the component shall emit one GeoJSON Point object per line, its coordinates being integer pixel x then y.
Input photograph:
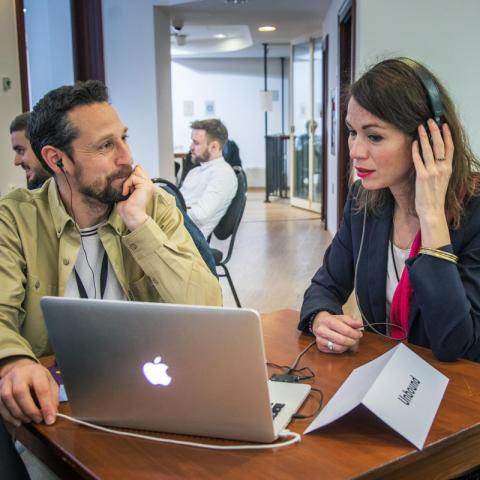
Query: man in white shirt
{"type": "Point", "coordinates": [208, 189]}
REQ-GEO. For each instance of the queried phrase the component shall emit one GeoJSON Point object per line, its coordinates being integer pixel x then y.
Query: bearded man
{"type": "Point", "coordinates": [208, 189]}
{"type": "Point", "coordinates": [24, 157]}
{"type": "Point", "coordinates": [98, 228]}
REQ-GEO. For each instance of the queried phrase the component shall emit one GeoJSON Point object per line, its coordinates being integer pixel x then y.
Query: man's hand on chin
{"type": "Point", "coordinates": [139, 189]}
{"type": "Point", "coordinates": [28, 392]}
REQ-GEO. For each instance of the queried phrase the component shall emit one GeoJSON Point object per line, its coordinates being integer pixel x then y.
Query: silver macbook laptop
{"type": "Point", "coordinates": [171, 368]}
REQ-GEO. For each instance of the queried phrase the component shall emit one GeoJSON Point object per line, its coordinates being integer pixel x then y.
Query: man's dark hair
{"type": "Point", "coordinates": [49, 123]}
{"type": "Point", "coordinates": [214, 129]}
{"type": "Point", "coordinates": [20, 123]}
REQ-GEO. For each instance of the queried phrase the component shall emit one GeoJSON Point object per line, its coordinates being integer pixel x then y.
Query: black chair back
{"type": "Point", "coordinates": [228, 225]}
{"type": "Point", "coordinates": [176, 191]}
{"type": "Point", "coordinates": [197, 236]}
{"type": "Point", "coordinates": [231, 154]}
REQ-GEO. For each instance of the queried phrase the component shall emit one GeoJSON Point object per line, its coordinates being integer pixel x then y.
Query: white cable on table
{"type": "Point", "coordinates": [295, 437]}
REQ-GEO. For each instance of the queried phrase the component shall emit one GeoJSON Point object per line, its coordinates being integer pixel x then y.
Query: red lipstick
{"type": "Point", "coordinates": [363, 172]}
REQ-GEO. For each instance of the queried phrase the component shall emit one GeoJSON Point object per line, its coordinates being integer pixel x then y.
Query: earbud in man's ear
{"type": "Point", "coordinates": [60, 164]}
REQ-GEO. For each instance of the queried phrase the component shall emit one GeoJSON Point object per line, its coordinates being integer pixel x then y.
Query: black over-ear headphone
{"type": "Point", "coordinates": [430, 87]}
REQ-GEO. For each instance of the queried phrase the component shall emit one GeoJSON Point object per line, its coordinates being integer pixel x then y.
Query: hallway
{"type": "Point", "coordinates": [277, 250]}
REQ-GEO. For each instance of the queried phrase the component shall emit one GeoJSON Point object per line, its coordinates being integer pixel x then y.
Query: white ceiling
{"type": "Point", "coordinates": [204, 18]}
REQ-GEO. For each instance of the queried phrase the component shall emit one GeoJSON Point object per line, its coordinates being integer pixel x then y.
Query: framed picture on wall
{"type": "Point", "coordinates": [188, 108]}
{"type": "Point", "coordinates": [209, 108]}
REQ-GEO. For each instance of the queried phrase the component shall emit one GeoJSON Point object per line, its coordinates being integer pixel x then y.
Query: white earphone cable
{"type": "Point", "coordinates": [364, 318]}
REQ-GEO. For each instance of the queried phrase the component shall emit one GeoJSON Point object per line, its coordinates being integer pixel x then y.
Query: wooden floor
{"type": "Point", "coordinates": [277, 250]}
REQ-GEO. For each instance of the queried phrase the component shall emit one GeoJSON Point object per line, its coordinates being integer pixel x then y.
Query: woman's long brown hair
{"type": "Point", "coordinates": [392, 92]}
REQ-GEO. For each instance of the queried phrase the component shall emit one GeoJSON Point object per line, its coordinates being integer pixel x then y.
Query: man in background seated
{"type": "Point", "coordinates": [98, 229]}
{"type": "Point", "coordinates": [208, 189]}
{"type": "Point", "coordinates": [231, 154]}
{"type": "Point", "coordinates": [24, 156]}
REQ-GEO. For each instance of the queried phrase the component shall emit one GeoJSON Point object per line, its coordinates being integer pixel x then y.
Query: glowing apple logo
{"type": "Point", "coordinates": [156, 372]}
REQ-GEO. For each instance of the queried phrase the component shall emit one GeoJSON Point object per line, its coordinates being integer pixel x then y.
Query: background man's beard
{"type": "Point", "coordinates": [38, 179]}
{"type": "Point", "coordinates": [109, 194]}
{"type": "Point", "coordinates": [204, 157]}
{"type": "Point", "coordinates": [34, 183]}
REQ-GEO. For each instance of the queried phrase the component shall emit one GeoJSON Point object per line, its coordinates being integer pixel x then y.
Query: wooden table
{"type": "Point", "coordinates": [356, 446]}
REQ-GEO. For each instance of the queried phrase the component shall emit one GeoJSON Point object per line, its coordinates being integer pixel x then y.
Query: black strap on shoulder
{"type": "Point", "coordinates": [103, 279]}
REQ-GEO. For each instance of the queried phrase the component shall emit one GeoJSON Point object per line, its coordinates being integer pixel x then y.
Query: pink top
{"type": "Point", "coordinates": [400, 308]}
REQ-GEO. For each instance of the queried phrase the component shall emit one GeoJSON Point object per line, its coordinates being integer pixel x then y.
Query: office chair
{"type": "Point", "coordinates": [197, 236]}
{"type": "Point", "coordinates": [228, 226]}
{"type": "Point", "coordinates": [176, 192]}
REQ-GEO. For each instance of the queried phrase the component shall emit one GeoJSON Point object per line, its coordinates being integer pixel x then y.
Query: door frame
{"type": "Point", "coordinates": [308, 204]}
{"type": "Point", "coordinates": [87, 43]}
{"type": "Point", "coordinates": [346, 75]}
{"type": "Point", "coordinates": [22, 55]}
{"type": "Point", "coordinates": [324, 212]}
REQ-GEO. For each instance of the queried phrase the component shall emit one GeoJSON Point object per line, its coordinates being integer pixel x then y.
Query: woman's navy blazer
{"type": "Point", "coordinates": [445, 304]}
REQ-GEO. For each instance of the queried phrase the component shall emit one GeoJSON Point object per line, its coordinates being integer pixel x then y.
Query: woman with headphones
{"type": "Point", "coordinates": [409, 243]}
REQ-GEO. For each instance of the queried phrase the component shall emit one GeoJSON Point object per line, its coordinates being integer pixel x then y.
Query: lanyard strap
{"type": "Point", "coordinates": [103, 279]}
{"type": "Point", "coordinates": [392, 231]}
{"type": "Point", "coordinates": [393, 259]}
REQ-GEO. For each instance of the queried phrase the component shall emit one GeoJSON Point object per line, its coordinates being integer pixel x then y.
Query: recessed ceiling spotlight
{"type": "Point", "coordinates": [267, 28]}
{"type": "Point", "coordinates": [219, 35]}
{"type": "Point", "coordinates": [235, 2]}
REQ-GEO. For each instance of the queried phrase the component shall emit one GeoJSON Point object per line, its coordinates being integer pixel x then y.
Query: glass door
{"type": "Point", "coordinates": [306, 124]}
{"type": "Point", "coordinates": [301, 116]}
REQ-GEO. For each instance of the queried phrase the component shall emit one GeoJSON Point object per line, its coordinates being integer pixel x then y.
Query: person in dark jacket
{"type": "Point", "coordinates": [409, 243]}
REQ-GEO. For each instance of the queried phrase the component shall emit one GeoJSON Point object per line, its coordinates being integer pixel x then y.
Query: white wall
{"type": "Point", "coordinates": [234, 85]}
{"type": "Point", "coordinates": [48, 28]}
{"type": "Point", "coordinates": [129, 51]}
{"type": "Point", "coordinates": [132, 60]}
{"type": "Point", "coordinates": [166, 168]}
{"type": "Point", "coordinates": [443, 34]}
{"type": "Point", "coordinates": [10, 101]}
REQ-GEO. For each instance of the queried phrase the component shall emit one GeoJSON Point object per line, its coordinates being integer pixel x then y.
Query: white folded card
{"type": "Point", "coordinates": [399, 387]}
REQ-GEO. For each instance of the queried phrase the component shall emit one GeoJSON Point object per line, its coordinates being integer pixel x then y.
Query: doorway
{"type": "Point", "coordinates": [59, 42]}
{"type": "Point", "coordinates": [307, 125]}
{"type": "Point", "coordinates": [346, 29]}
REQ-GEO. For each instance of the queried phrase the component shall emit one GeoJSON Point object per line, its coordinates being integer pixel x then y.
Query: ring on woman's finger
{"type": "Point", "coordinates": [330, 345]}
{"type": "Point", "coordinates": [440, 159]}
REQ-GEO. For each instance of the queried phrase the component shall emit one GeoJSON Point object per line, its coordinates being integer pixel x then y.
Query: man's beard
{"type": "Point", "coordinates": [38, 179]}
{"type": "Point", "coordinates": [108, 194]}
{"type": "Point", "coordinates": [34, 183]}
{"type": "Point", "coordinates": [37, 182]}
{"type": "Point", "coordinates": [204, 157]}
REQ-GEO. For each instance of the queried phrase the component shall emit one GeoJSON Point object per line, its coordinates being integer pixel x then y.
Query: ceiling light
{"type": "Point", "coordinates": [235, 2]}
{"type": "Point", "coordinates": [219, 35]}
{"type": "Point", "coordinates": [267, 28]}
